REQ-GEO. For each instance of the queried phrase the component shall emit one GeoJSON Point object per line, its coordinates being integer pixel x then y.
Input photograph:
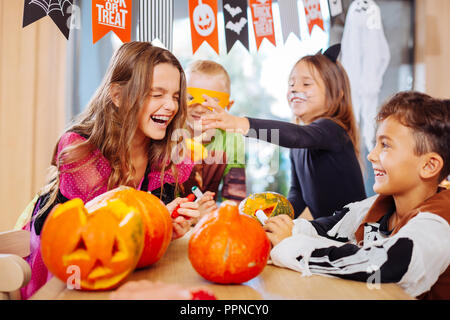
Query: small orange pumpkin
{"type": "Point", "coordinates": [157, 221]}
{"type": "Point", "coordinates": [228, 247]}
{"type": "Point", "coordinates": [104, 245]}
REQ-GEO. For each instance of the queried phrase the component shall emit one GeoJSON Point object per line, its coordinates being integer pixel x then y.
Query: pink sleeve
{"type": "Point", "coordinates": [86, 178]}
{"type": "Point", "coordinates": [184, 171]}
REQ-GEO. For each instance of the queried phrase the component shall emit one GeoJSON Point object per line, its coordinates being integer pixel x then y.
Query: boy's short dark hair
{"type": "Point", "coordinates": [429, 118]}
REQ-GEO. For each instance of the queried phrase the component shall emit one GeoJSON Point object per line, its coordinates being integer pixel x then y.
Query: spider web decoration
{"type": "Point", "coordinates": [57, 10]}
{"type": "Point", "coordinates": [51, 5]}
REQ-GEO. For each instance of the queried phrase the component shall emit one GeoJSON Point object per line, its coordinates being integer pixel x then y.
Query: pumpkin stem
{"type": "Point", "coordinates": [228, 210]}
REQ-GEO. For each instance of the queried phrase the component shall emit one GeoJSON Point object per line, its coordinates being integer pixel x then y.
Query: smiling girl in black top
{"type": "Point", "coordinates": [324, 142]}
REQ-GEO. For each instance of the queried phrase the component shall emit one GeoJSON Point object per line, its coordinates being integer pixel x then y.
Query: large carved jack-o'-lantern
{"type": "Point", "coordinates": [156, 218]}
{"type": "Point", "coordinates": [103, 245]}
{"type": "Point", "coordinates": [204, 19]}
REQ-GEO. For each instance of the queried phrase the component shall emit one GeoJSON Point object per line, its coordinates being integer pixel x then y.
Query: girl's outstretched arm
{"type": "Point", "coordinates": [221, 119]}
{"type": "Point", "coordinates": [321, 134]}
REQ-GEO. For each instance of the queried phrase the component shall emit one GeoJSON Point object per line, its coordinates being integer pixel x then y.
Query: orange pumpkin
{"type": "Point", "coordinates": [228, 247]}
{"type": "Point", "coordinates": [156, 217]}
{"type": "Point", "coordinates": [100, 248]}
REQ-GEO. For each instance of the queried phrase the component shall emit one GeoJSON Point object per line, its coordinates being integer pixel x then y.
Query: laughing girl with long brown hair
{"type": "Point", "coordinates": [124, 137]}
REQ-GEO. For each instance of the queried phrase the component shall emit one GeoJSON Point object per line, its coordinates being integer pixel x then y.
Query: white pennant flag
{"type": "Point", "coordinates": [156, 21]}
{"type": "Point", "coordinates": [289, 18]}
{"type": "Point", "coordinates": [335, 7]}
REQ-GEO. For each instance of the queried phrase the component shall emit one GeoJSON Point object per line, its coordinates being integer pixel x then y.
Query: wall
{"type": "Point", "coordinates": [32, 93]}
{"type": "Point", "coordinates": [432, 53]}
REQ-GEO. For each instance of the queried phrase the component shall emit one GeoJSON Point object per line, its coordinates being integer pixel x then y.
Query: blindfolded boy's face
{"type": "Point", "coordinates": [199, 84]}
{"type": "Point", "coordinates": [397, 168]}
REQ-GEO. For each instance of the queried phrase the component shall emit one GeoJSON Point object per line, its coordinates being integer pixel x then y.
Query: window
{"type": "Point", "coordinates": [258, 84]}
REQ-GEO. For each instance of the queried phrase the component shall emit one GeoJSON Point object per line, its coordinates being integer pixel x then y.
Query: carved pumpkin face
{"type": "Point", "coordinates": [155, 216]}
{"type": "Point", "coordinates": [204, 19]}
{"type": "Point", "coordinates": [228, 247]}
{"type": "Point", "coordinates": [272, 203]}
{"type": "Point", "coordinates": [104, 245]}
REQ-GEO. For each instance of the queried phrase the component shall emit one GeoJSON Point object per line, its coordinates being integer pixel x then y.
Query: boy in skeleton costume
{"type": "Point", "coordinates": [401, 235]}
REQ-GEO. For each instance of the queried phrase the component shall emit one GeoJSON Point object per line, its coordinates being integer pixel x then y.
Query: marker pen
{"type": "Point", "coordinates": [198, 193]}
{"type": "Point", "coordinates": [261, 216]}
{"type": "Point", "coordinates": [175, 213]}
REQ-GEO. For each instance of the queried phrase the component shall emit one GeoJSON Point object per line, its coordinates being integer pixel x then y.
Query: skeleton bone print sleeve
{"type": "Point", "coordinates": [414, 257]}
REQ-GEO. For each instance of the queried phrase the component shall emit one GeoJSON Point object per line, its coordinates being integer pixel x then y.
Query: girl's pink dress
{"type": "Point", "coordinates": [85, 179]}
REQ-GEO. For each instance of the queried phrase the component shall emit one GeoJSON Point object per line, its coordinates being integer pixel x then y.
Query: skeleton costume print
{"type": "Point", "coordinates": [355, 244]}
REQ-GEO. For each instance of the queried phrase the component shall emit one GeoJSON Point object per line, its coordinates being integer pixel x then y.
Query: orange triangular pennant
{"type": "Point", "coordinates": [203, 20]}
{"type": "Point", "coordinates": [111, 15]}
{"type": "Point", "coordinates": [262, 21]}
{"type": "Point", "coordinates": [313, 14]}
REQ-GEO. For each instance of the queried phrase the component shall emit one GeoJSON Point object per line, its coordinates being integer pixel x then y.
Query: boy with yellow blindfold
{"type": "Point", "coordinates": [223, 156]}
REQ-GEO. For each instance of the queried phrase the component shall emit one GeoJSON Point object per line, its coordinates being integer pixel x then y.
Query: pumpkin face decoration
{"type": "Point", "coordinates": [204, 19]}
{"type": "Point", "coordinates": [272, 203]}
{"type": "Point", "coordinates": [104, 245]}
{"type": "Point", "coordinates": [156, 218]}
{"type": "Point", "coordinates": [228, 247]}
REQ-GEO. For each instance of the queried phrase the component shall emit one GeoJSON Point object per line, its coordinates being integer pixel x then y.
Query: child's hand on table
{"type": "Point", "coordinates": [218, 118]}
{"type": "Point", "coordinates": [188, 210]}
{"type": "Point", "coordinates": [278, 228]}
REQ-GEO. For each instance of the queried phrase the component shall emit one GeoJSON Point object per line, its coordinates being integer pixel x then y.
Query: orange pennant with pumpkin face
{"type": "Point", "coordinates": [262, 21]}
{"type": "Point", "coordinates": [203, 19]}
{"type": "Point", "coordinates": [111, 15]}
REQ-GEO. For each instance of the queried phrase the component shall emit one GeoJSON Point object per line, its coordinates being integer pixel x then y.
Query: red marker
{"type": "Point", "coordinates": [175, 213]}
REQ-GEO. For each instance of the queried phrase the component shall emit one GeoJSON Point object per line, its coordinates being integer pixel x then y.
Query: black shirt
{"type": "Point", "coordinates": [325, 172]}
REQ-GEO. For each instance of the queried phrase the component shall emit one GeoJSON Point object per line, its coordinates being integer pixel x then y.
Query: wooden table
{"type": "Point", "coordinates": [273, 283]}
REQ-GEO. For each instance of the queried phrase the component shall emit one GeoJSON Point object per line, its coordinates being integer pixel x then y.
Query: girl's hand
{"type": "Point", "coordinates": [206, 205]}
{"type": "Point", "coordinates": [182, 223]}
{"type": "Point", "coordinates": [218, 118]}
{"type": "Point", "coordinates": [278, 228]}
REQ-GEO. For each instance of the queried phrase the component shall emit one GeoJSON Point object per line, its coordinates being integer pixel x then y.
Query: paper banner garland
{"type": "Point", "coordinates": [289, 18]}
{"type": "Point", "coordinates": [111, 15]}
{"type": "Point", "coordinates": [335, 7]}
{"type": "Point", "coordinates": [313, 14]}
{"type": "Point", "coordinates": [262, 21]}
{"type": "Point", "coordinates": [58, 10]}
{"type": "Point", "coordinates": [236, 22]}
{"type": "Point", "coordinates": [203, 21]}
{"type": "Point", "coordinates": [156, 21]}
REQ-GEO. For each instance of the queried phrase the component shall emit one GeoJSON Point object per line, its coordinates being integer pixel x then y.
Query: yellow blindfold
{"type": "Point", "coordinates": [223, 99]}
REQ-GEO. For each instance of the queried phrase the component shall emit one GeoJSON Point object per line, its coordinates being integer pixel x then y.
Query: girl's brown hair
{"type": "Point", "coordinates": [337, 95]}
{"type": "Point", "coordinates": [111, 129]}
